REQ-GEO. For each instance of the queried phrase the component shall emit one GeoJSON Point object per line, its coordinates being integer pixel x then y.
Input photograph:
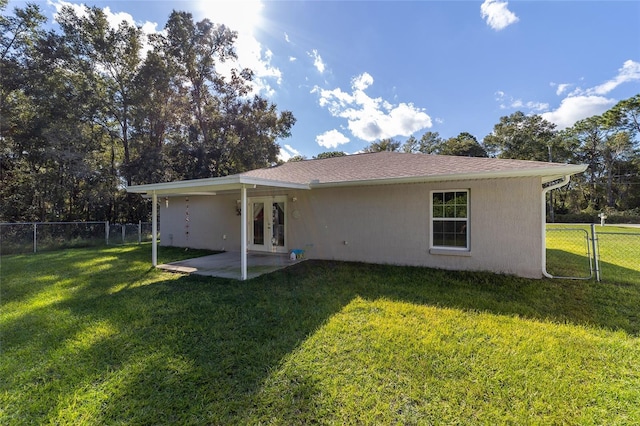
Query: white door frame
{"type": "Point", "coordinates": [267, 224]}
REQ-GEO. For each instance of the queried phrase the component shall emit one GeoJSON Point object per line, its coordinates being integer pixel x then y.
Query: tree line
{"type": "Point", "coordinates": [89, 109]}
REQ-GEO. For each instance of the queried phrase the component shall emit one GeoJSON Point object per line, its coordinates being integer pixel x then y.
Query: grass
{"type": "Point", "coordinates": [94, 336]}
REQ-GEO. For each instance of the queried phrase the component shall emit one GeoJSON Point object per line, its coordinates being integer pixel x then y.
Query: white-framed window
{"type": "Point", "coordinates": [450, 219]}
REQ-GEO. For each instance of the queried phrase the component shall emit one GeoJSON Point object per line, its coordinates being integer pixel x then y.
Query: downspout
{"type": "Point", "coordinates": [563, 182]}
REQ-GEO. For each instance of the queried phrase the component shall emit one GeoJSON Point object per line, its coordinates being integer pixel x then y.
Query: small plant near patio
{"type": "Point", "coordinates": [95, 336]}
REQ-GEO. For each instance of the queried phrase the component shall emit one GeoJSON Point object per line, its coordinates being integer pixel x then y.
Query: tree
{"type": "Point", "coordinates": [159, 108]}
{"type": "Point", "coordinates": [602, 148]}
{"type": "Point", "coordinates": [21, 123]}
{"type": "Point", "coordinates": [382, 146]}
{"type": "Point", "coordinates": [111, 57]}
{"type": "Point", "coordinates": [429, 143]}
{"type": "Point", "coordinates": [625, 115]}
{"type": "Point", "coordinates": [225, 131]}
{"type": "Point", "coordinates": [524, 137]}
{"type": "Point", "coordinates": [464, 145]}
{"type": "Point", "coordinates": [330, 154]}
{"type": "Point", "coordinates": [83, 113]}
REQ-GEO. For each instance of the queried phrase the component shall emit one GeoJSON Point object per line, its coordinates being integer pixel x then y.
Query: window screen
{"type": "Point", "coordinates": [450, 219]}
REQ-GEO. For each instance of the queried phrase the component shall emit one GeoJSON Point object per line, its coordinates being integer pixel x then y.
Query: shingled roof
{"type": "Point", "coordinates": [396, 166]}
{"type": "Point", "coordinates": [371, 169]}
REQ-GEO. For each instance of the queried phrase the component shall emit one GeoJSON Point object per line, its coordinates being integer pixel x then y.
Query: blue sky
{"type": "Point", "coordinates": [353, 72]}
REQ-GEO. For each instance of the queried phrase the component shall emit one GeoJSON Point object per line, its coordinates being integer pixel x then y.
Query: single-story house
{"type": "Point", "coordinates": [458, 213]}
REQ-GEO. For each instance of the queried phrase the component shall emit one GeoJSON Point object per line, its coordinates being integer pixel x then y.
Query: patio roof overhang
{"type": "Point", "coordinates": [211, 186]}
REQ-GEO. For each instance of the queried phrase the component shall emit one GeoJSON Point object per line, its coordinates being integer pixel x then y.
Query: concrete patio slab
{"type": "Point", "coordinates": [227, 264]}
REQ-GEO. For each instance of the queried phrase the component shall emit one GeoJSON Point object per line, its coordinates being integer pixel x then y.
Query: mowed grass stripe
{"type": "Point", "coordinates": [387, 362]}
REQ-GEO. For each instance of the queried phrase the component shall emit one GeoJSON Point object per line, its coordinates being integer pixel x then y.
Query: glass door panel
{"type": "Point", "coordinates": [277, 237]}
{"type": "Point", "coordinates": [258, 223]}
{"type": "Point", "coordinates": [267, 226]}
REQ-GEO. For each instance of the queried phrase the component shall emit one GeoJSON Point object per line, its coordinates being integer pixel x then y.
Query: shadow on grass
{"type": "Point", "coordinates": [562, 263]}
{"type": "Point", "coordinates": [129, 345]}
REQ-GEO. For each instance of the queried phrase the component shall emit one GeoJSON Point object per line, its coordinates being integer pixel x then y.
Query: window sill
{"type": "Point", "coordinates": [450, 252]}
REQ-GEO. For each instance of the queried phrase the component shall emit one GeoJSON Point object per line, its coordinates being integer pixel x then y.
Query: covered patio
{"type": "Point", "coordinates": [232, 264]}
{"type": "Point", "coordinates": [229, 265]}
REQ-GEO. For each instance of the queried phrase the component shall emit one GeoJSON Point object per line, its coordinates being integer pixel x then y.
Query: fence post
{"type": "Point", "coordinates": [139, 232]}
{"type": "Point", "coordinates": [594, 242]}
{"type": "Point", "coordinates": [35, 237]}
{"type": "Point", "coordinates": [106, 232]}
{"type": "Point", "coordinates": [123, 227]}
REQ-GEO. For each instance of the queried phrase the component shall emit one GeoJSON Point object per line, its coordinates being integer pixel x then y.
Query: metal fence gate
{"type": "Point", "coordinates": [569, 253]}
{"type": "Point", "coordinates": [584, 252]}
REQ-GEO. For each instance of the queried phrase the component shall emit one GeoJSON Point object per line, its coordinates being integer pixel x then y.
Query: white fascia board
{"type": "Point", "coordinates": [273, 183]}
{"type": "Point", "coordinates": [209, 186]}
{"type": "Point", "coordinates": [547, 174]}
{"type": "Point", "coordinates": [194, 185]}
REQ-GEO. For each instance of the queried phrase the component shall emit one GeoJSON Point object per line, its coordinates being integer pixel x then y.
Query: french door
{"type": "Point", "coordinates": [267, 224]}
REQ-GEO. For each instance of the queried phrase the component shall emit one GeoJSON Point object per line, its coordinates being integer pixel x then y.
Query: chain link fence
{"type": "Point", "coordinates": [33, 237]}
{"type": "Point", "coordinates": [619, 256]}
{"type": "Point", "coordinates": [588, 251]}
{"type": "Point", "coordinates": [569, 253]}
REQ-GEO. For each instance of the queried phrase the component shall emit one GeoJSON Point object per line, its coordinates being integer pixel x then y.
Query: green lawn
{"type": "Point", "coordinates": [94, 336]}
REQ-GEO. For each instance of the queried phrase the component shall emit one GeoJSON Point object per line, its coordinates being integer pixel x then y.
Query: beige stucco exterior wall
{"type": "Point", "coordinates": [382, 224]}
{"type": "Point", "coordinates": [391, 224]}
{"type": "Point", "coordinates": [213, 222]}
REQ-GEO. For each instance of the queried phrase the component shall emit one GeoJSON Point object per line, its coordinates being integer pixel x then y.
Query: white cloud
{"type": "Point", "coordinates": [508, 102]}
{"type": "Point", "coordinates": [574, 108]}
{"type": "Point", "coordinates": [562, 88]}
{"type": "Point", "coordinates": [584, 103]}
{"type": "Point", "coordinates": [497, 15]}
{"type": "Point", "coordinates": [362, 81]}
{"type": "Point", "coordinates": [292, 59]}
{"type": "Point", "coordinates": [629, 72]}
{"type": "Point", "coordinates": [286, 152]}
{"type": "Point", "coordinates": [331, 139]}
{"type": "Point", "coordinates": [317, 60]}
{"type": "Point", "coordinates": [537, 106]}
{"type": "Point", "coordinates": [286, 38]}
{"type": "Point", "coordinates": [372, 118]}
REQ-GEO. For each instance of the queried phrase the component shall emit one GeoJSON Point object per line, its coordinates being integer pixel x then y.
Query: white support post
{"type": "Point", "coordinates": [35, 237]}
{"type": "Point", "coordinates": [154, 229]}
{"type": "Point", "coordinates": [243, 232]}
{"type": "Point", "coordinates": [106, 232]}
{"type": "Point", "coordinates": [139, 232]}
